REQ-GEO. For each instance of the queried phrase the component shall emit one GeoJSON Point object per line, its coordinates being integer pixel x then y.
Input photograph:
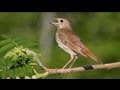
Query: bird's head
{"type": "Point", "coordinates": [61, 23]}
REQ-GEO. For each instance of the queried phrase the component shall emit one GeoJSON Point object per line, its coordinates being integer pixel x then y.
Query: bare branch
{"type": "Point", "coordinates": [83, 68]}
{"type": "Point", "coordinates": [48, 71]}
{"type": "Point", "coordinates": [77, 69]}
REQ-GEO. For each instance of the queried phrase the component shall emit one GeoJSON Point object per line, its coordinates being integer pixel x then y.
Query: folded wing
{"type": "Point", "coordinates": [76, 45]}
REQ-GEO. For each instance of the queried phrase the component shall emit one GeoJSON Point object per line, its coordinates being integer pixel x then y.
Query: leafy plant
{"type": "Point", "coordinates": [16, 58]}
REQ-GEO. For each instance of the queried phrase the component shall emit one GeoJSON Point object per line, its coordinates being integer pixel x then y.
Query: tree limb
{"type": "Point", "coordinates": [84, 68]}
{"type": "Point", "coordinates": [49, 71]}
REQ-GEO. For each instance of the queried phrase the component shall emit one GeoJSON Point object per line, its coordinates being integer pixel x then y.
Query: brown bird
{"type": "Point", "coordinates": [70, 42]}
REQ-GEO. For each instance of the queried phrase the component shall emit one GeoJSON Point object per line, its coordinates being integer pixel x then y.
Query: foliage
{"type": "Point", "coordinates": [16, 58]}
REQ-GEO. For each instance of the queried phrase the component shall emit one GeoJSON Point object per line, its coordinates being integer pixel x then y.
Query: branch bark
{"type": "Point", "coordinates": [84, 68]}
{"type": "Point", "coordinates": [48, 71]}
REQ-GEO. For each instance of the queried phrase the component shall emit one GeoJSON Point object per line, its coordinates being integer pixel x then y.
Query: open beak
{"type": "Point", "coordinates": [55, 22]}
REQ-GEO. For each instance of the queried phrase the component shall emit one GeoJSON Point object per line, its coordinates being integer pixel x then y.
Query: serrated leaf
{"type": "Point", "coordinates": [7, 47]}
{"type": "Point", "coordinates": [4, 42]}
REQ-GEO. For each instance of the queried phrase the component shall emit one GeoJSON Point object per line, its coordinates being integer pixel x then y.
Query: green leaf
{"type": "Point", "coordinates": [16, 56]}
{"type": "Point", "coordinates": [10, 73]}
{"type": "Point", "coordinates": [4, 42]}
{"type": "Point", "coordinates": [7, 47]}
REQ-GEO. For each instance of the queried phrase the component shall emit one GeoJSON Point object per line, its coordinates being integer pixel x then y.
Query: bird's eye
{"type": "Point", "coordinates": [61, 21]}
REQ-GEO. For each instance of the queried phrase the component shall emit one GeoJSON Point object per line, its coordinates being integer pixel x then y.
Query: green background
{"type": "Point", "coordinates": [100, 31]}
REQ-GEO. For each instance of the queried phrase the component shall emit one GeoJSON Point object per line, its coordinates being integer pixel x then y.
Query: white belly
{"type": "Point", "coordinates": [65, 48]}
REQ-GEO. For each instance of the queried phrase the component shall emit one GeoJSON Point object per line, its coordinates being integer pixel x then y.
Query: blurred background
{"type": "Point", "coordinates": [100, 31]}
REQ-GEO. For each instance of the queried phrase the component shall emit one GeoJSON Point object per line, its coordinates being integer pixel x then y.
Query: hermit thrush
{"type": "Point", "coordinates": [70, 42]}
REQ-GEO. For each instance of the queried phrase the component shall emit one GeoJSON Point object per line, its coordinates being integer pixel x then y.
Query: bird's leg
{"type": "Point", "coordinates": [72, 57]}
{"type": "Point", "coordinates": [73, 61]}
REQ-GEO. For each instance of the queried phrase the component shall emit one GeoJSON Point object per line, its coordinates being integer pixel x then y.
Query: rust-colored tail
{"type": "Point", "coordinates": [88, 53]}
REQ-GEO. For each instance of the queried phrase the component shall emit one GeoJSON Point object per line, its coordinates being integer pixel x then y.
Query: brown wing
{"type": "Point", "coordinates": [76, 45]}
